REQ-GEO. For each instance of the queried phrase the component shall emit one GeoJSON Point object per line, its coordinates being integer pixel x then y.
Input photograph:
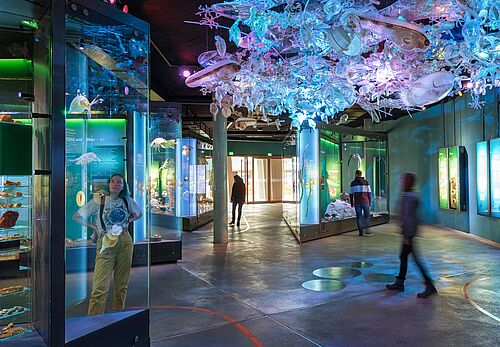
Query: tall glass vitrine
{"type": "Point", "coordinates": [318, 167]}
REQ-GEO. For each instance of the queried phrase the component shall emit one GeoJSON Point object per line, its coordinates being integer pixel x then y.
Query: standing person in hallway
{"type": "Point", "coordinates": [361, 199]}
{"type": "Point", "coordinates": [408, 205]}
{"type": "Point", "coordinates": [237, 198]}
{"type": "Point", "coordinates": [112, 212]}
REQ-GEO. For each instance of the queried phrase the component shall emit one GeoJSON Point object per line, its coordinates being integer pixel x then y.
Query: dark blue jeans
{"type": "Point", "coordinates": [360, 209]}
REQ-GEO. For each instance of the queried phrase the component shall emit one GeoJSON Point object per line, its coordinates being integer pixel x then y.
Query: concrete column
{"type": "Point", "coordinates": [220, 179]}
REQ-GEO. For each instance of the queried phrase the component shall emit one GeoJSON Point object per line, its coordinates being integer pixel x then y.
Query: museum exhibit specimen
{"type": "Point", "coordinates": [452, 178]}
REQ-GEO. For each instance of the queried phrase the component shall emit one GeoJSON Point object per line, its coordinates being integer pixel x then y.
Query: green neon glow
{"type": "Point", "coordinates": [33, 24]}
{"type": "Point", "coordinates": [18, 69]}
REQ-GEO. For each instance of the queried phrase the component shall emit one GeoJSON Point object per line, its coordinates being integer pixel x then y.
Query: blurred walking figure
{"type": "Point", "coordinates": [237, 198]}
{"type": "Point", "coordinates": [408, 205]}
{"type": "Point", "coordinates": [361, 199]}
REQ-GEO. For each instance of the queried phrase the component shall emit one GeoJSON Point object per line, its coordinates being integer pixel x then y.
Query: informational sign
{"type": "Point", "coordinates": [482, 178]}
{"type": "Point", "coordinates": [200, 179]}
{"type": "Point", "coordinates": [454, 177]}
{"type": "Point", "coordinates": [495, 177]}
{"type": "Point", "coordinates": [443, 178]}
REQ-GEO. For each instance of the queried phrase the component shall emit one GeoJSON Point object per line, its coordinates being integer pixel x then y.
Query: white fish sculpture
{"type": "Point", "coordinates": [429, 89]}
{"type": "Point", "coordinates": [160, 142]}
{"type": "Point", "coordinates": [407, 36]}
{"type": "Point", "coordinates": [86, 158]}
{"type": "Point", "coordinates": [358, 159]}
{"type": "Point", "coordinates": [223, 70]}
{"type": "Point", "coordinates": [80, 104]}
{"type": "Point", "coordinates": [244, 122]}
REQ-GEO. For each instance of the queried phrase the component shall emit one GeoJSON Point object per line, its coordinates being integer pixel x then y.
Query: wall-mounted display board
{"type": "Point", "coordinates": [482, 189]}
{"type": "Point", "coordinates": [443, 178]}
{"type": "Point", "coordinates": [452, 178]}
{"type": "Point", "coordinates": [495, 177]}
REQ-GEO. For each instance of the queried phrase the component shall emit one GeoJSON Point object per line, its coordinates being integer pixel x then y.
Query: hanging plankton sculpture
{"type": "Point", "coordinates": [313, 59]}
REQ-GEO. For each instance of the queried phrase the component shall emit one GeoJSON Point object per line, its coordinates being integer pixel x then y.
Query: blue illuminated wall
{"type": "Point", "coordinates": [413, 146]}
{"type": "Point", "coordinates": [188, 169]}
{"type": "Point", "coordinates": [139, 184]}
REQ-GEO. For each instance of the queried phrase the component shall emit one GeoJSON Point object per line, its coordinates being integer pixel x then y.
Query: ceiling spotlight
{"type": "Point", "coordinates": [469, 85]}
{"type": "Point", "coordinates": [186, 73]}
{"type": "Point", "coordinates": [112, 2]}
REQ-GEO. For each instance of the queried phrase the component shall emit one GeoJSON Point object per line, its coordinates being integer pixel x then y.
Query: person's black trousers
{"type": "Point", "coordinates": [403, 269]}
{"type": "Point", "coordinates": [240, 206]}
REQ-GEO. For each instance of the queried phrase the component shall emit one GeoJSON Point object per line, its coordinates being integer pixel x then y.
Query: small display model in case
{"type": "Point", "coordinates": [452, 177]}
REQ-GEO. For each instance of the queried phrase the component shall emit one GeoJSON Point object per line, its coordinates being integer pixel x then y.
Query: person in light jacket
{"type": "Point", "coordinates": [408, 205]}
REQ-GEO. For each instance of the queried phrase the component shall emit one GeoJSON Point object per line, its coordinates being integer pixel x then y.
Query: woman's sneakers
{"type": "Point", "coordinates": [429, 290]}
{"type": "Point", "coordinates": [399, 284]}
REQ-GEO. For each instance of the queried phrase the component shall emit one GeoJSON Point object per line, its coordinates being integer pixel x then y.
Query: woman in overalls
{"type": "Point", "coordinates": [112, 215]}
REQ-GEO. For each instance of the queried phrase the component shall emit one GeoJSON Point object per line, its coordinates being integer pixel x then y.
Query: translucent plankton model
{"type": "Point", "coordinates": [87, 158]}
{"type": "Point", "coordinates": [80, 104]}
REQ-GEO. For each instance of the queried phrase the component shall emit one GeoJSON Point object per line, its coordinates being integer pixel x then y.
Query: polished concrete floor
{"type": "Point", "coordinates": [249, 292]}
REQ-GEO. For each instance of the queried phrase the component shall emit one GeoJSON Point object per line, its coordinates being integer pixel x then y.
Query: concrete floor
{"type": "Point", "coordinates": [249, 293]}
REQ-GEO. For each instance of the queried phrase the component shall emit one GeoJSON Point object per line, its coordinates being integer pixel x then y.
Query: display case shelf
{"type": "Point", "coordinates": [17, 313]}
{"type": "Point", "coordinates": [24, 290]}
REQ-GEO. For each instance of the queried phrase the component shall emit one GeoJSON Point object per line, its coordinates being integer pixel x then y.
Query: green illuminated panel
{"type": "Point", "coordinates": [454, 178]}
{"type": "Point", "coordinates": [443, 178]}
{"type": "Point", "coordinates": [15, 69]}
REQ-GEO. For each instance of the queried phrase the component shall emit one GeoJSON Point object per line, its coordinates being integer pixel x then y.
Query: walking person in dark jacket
{"type": "Point", "coordinates": [408, 205]}
{"type": "Point", "coordinates": [237, 198]}
{"type": "Point", "coordinates": [361, 199]}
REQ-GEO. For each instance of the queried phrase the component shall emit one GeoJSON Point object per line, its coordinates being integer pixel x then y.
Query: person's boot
{"type": "Point", "coordinates": [429, 290]}
{"type": "Point", "coordinates": [231, 223]}
{"type": "Point", "coordinates": [399, 284]}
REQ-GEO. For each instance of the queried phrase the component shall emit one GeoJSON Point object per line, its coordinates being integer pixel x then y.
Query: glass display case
{"type": "Point", "coordinates": [495, 177]}
{"type": "Point", "coordinates": [107, 162]}
{"type": "Point", "coordinates": [452, 166]}
{"type": "Point", "coordinates": [166, 147]}
{"type": "Point", "coordinates": [196, 199]}
{"type": "Point", "coordinates": [482, 175]}
{"type": "Point", "coordinates": [319, 166]}
{"type": "Point", "coordinates": [16, 233]}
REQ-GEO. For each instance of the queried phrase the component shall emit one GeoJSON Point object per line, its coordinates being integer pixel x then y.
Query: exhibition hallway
{"type": "Point", "coordinates": [249, 292]}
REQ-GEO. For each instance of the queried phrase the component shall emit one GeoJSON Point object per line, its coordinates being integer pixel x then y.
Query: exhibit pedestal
{"type": "Point", "coordinates": [193, 222]}
{"type": "Point", "coordinates": [115, 329]}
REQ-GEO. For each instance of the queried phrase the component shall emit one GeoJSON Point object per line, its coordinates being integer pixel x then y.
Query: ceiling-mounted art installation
{"type": "Point", "coordinates": [312, 59]}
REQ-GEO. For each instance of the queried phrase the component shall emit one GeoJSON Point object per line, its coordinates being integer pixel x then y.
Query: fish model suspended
{"type": "Point", "coordinates": [429, 89]}
{"type": "Point", "coordinates": [244, 122]}
{"type": "Point", "coordinates": [87, 158]}
{"type": "Point", "coordinates": [160, 142]}
{"type": "Point", "coordinates": [407, 36]}
{"type": "Point", "coordinates": [358, 159]}
{"type": "Point", "coordinates": [220, 71]}
{"type": "Point", "coordinates": [80, 104]}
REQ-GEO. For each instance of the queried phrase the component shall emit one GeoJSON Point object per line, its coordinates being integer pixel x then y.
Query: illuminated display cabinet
{"type": "Point", "coordinates": [318, 167]}
{"type": "Point", "coordinates": [452, 178]}
{"type": "Point", "coordinates": [488, 178]}
{"type": "Point", "coordinates": [83, 111]}
{"type": "Point", "coordinates": [196, 183]}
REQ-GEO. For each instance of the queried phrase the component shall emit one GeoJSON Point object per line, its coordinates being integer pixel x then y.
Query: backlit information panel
{"type": "Point", "coordinates": [495, 177]}
{"type": "Point", "coordinates": [443, 178]}
{"type": "Point", "coordinates": [482, 178]}
{"type": "Point", "coordinates": [454, 177]}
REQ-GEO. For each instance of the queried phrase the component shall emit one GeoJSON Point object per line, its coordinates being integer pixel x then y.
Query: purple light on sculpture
{"type": "Point", "coordinates": [126, 90]}
{"type": "Point", "coordinates": [186, 73]}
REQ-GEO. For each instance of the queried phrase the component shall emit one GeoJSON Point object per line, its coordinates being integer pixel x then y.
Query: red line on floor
{"type": "Point", "coordinates": [229, 319]}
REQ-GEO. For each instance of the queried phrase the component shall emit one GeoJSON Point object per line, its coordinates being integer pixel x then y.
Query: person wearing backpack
{"type": "Point", "coordinates": [112, 216]}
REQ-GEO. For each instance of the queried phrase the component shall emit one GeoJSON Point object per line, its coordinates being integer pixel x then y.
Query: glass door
{"type": "Point", "coordinates": [261, 180]}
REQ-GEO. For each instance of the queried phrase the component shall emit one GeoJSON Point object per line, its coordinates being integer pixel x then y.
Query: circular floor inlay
{"type": "Point", "coordinates": [336, 272]}
{"type": "Point", "coordinates": [386, 278]}
{"type": "Point", "coordinates": [324, 285]}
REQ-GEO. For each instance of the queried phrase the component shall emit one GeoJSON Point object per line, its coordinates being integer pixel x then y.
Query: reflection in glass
{"type": "Point", "coordinates": [107, 107]}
